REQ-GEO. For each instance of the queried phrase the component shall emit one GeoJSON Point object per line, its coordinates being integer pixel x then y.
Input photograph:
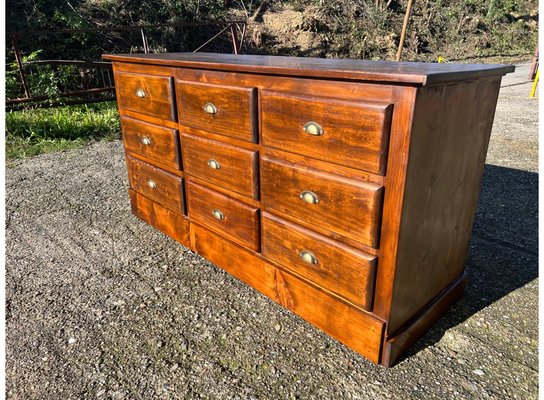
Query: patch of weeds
{"type": "Point", "coordinates": [36, 131]}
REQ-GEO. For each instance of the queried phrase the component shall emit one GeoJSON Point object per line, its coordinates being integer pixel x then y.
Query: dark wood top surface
{"type": "Point", "coordinates": [416, 73]}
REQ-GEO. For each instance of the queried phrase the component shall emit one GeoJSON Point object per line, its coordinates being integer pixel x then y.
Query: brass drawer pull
{"type": "Point", "coordinates": [146, 140]}
{"type": "Point", "coordinates": [213, 164]}
{"type": "Point", "coordinates": [210, 108]}
{"type": "Point", "coordinates": [313, 128]}
{"type": "Point", "coordinates": [309, 197]}
{"type": "Point", "coordinates": [140, 93]}
{"type": "Point", "coordinates": [151, 183]}
{"type": "Point", "coordinates": [308, 257]}
{"type": "Point", "coordinates": [218, 215]}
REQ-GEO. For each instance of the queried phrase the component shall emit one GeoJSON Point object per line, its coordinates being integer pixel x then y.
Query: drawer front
{"type": "Point", "coordinates": [146, 94]}
{"type": "Point", "coordinates": [341, 205]}
{"type": "Point", "coordinates": [224, 165]}
{"type": "Point", "coordinates": [331, 265]}
{"type": "Point", "coordinates": [152, 141]}
{"type": "Point", "coordinates": [232, 218]}
{"type": "Point", "coordinates": [226, 110]}
{"type": "Point", "coordinates": [156, 184]}
{"type": "Point", "coordinates": [350, 133]}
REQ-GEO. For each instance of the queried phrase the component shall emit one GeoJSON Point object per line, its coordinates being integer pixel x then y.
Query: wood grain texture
{"type": "Point", "coordinates": [158, 97]}
{"type": "Point", "coordinates": [154, 142]}
{"type": "Point", "coordinates": [417, 73]}
{"type": "Point", "coordinates": [220, 138]}
{"type": "Point", "coordinates": [348, 325]}
{"type": "Point", "coordinates": [236, 108]}
{"type": "Point", "coordinates": [324, 166]}
{"type": "Point", "coordinates": [346, 206]}
{"type": "Point", "coordinates": [355, 133]}
{"type": "Point", "coordinates": [145, 69]}
{"type": "Point", "coordinates": [241, 222]}
{"type": "Point", "coordinates": [244, 199]}
{"type": "Point", "coordinates": [394, 183]}
{"type": "Point", "coordinates": [348, 90]}
{"type": "Point", "coordinates": [238, 168]}
{"type": "Point", "coordinates": [451, 131]}
{"type": "Point", "coordinates": [325, 232]}
{"type": "Point", "coordinates": [340, 269]}
{"type": "Point", "coordinates": [123, 112]}
{"type": "Point", "coordinates": [173, 171]}
{"type": "Point", "coordinates": [396, 172]}
{"type": "Point", "coordinates": [418, 325]}
{"type": "Point", "coordinates": [236, 260]}
{"type": "Point", "coordinates": [156, 184]}
{"type": "Point", "coordinates": [169, 222]}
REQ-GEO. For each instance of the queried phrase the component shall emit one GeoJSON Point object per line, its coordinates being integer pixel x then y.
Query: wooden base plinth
{"type": "Point", "coordinates": [422, 322]}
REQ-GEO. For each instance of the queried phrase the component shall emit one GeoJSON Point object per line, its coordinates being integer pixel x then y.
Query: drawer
{"type": "Point", "coordinates": [341, 205]}
{"type": "Point", "coordinates": [350, 133]}
{"type": "Point", "coordinates": [232, 218]}
{"type": "Point", "coordinates": [224, 165]}
{"type": "Point", "coordinates": [146, 94]}
{"type": "Point", "coordinates": [226, 110]}
{"type": "Point", "coordinates": [152, 141]}
{"type": "Point", "coordinates": [331, 265]}
{"type": "Point", "coordinates": [156, 184]}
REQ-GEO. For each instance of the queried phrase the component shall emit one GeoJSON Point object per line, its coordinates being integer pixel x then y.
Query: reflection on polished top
{"type": "Point", "coordinates": [418, 73]}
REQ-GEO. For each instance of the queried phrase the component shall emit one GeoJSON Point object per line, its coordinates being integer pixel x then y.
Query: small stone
{"type": "Point", "coordinates": [174, 367]}
{"type": "Point", "coordinates": [479, 372]}
{"type": "Point", "coordinates": [461, 361]}
{"type": "Point", "coordinates": [44, 359]}
{"type": "Point", "coordinates": [72, 340]}
{"type": "Point", "coordinates": [119, 303]}
{"type": "Point", "coordinates": [277, 327]}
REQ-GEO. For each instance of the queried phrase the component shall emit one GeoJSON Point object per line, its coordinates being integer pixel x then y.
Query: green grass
{"type": "Point", "coordinates": [37, 131]}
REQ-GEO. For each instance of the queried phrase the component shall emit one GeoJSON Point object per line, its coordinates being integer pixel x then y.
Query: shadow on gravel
{"type": "Point", "coordinates": [503, 249]}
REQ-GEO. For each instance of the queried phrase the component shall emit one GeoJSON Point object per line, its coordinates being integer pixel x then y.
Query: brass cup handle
{"type": "Point", "coordinates": [140, 93]}
{"type": "Point", "coordinates": [218, 215]}
{"type": "Point", "coordinates": [308, 257]}
{"type": "Point", "coordinates": [213, 164]}
{"type": "Point", "coordinates": [313, 128]}
{"type": "Point", "coordinates": [309, 197]}
{"type": "Point", "coordinates": [146, 140]}
{"type": "Point", "coordinates": [151, 183]}
{"type": "Point", "coordinates": [210, 108]}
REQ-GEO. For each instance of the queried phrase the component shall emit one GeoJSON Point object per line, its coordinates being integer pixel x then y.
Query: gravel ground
{"type": "Point", "coordinates": [100, 305]}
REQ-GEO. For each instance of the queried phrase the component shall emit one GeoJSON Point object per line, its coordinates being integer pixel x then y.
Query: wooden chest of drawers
{"type": "Point", "coordinates": [343, 190]}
